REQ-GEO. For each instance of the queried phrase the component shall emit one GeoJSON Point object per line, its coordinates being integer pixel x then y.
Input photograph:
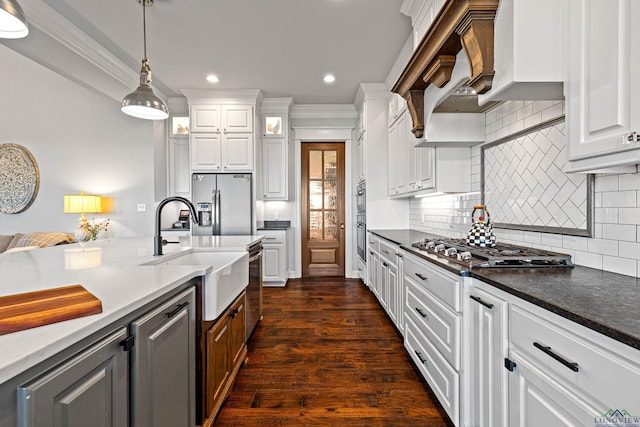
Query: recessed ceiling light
{"type": "Point", "coordinates": [212, 78]}
{"type": "Point", "coordinates": [329, 78]}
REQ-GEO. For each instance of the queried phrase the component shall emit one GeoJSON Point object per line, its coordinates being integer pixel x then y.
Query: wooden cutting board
{"type": "Point", "coordinates": [32, 309]}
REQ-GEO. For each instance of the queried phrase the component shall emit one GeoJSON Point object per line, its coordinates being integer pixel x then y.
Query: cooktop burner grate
{"type": "Point", "coordinates": [503, 255]}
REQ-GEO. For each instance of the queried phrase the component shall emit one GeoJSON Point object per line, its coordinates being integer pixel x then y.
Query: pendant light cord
{"type": "Point", "coordinates": [144, 26]}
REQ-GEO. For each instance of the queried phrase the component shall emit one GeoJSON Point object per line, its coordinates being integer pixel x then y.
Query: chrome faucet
{"type": "Point", "coordinates": [157, 240]}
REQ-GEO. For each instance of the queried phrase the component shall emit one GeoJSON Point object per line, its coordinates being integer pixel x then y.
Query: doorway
{"type": "Point", "coordinates": [322, 214]}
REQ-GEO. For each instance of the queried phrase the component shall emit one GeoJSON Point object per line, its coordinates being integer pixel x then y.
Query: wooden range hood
{"type": "Point", "coordinates": [460, 24]}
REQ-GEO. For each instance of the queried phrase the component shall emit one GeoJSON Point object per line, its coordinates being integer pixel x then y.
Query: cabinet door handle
{"type": "Point", "coordinates": [547, 350]}
{"type": "Point", "coordinates": [421, 313]}
{"type": "Point", "coordinates": [176, 310]}
{"type": "Point", "coordinates": [399, 255]}
{"type": "Point", "coordinates": [384, 264]}
{"type": "Point", "coordinates": [479, 300]}
{"type": "Point", "coordinates": [128, 343]}
{"type": "Point", "coordinates": [420, 356]}
{"type": "Point", "coordinates": [421, 276]}
{"type": "Point", "coordinates": [234, 313]}
{"type": "Point", "coordinates": [371, 253]}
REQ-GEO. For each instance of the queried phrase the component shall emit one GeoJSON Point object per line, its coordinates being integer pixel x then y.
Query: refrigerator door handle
{"type": "Point", "coordinates": [217, 226]}
{"type": "Point", "coordinates": [214, 219]}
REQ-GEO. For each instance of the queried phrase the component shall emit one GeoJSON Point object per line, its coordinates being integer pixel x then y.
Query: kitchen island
{"type": "Point", "coordinates": [120, 279]}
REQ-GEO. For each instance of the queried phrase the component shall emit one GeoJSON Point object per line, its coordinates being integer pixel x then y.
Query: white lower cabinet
{"type": "Point", "coordinates": [274, 257]}
{"type": "Point", "coordinates": [433, 320]}
{"type": "Point", "coordinates": [487, 385]}
{"type": "Point", "coordinates": [385, 266]}
{"type": "Point", "coordinates": [526, 366]}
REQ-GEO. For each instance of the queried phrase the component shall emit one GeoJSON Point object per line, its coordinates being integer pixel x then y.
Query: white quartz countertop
{"type": "Point", "coordinates": [120, 282]}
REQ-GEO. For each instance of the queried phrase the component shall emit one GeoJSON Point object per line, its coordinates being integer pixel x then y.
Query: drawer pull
{"type": "Point", "coordinates": [420, 356]}
{"type": "Point", "coordinates": [479, 300]}
{"type": "Point", "coordinates": [547, 350]}
{"type": "Point", "coordinates": [421, 276]}
{"type": "Point", "coordinates": [421, 313]}
{"type": "Point", "coordinates": [177, 310]}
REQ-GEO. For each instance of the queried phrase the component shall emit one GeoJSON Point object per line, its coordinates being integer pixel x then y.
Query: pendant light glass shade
{"type": "Point", "coordinates": [143, 103]}
{"type": "Point", "coordinates": [13, 24]}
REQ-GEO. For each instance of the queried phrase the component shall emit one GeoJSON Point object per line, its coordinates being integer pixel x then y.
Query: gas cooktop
{"type": "Point", "coordinates": [503, 255]}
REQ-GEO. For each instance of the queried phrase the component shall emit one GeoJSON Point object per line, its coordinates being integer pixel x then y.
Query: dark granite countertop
{"type": "Point", "coordinates": [606, 302]}
{"type": "Point", "coordinates": [274, 225]}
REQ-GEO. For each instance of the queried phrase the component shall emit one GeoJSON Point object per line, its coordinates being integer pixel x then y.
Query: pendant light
{"type": "Point", "coordinates": [142, 102]}
{"type": "Point", "coordinates": [13, 24]}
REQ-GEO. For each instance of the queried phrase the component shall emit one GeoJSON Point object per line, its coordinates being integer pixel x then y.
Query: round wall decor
{"type": "Point", "coordinates": [19, 178]}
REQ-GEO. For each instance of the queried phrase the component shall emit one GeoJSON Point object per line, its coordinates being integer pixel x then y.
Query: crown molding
{"type": "Point", "coordinates": [324, 111]}
{"type": "Point", "coordinates": [66, 34]}
{"type": "Point", "coordinates": [276, 104]}
{"type": "Point", "coordinates": [223, 96]}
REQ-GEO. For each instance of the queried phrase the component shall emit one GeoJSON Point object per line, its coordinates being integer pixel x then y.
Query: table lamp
{"type": "Point", "coordinates": [82, 203]}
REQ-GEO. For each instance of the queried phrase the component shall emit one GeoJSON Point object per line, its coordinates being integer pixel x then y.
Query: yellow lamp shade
{"type": "Point", "coordinates": [82, 203]}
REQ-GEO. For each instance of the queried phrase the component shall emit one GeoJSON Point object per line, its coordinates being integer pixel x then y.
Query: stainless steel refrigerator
{"type": "Point", "coordinates": [224, 204]}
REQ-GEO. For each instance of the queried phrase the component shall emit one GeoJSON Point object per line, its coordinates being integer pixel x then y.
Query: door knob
{"type": "Point", "coordinates": [342, 226]}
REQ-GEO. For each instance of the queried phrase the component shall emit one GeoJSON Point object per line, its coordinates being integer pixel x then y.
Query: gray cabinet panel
{"type": "Point", "coordinates": [163, 365]}
{"type": "Point", "coordinates": [91, 388]}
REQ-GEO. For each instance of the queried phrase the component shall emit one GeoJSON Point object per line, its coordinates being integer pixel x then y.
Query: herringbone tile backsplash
{"type": "Point", "coordinates": [524, 183]}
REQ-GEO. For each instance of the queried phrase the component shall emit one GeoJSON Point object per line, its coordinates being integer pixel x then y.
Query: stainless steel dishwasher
{"type": "Point", "coordinates": [254, 290]}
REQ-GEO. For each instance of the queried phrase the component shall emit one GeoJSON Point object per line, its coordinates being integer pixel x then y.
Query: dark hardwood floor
{"type": "Point", "coordinates": [326, 354]}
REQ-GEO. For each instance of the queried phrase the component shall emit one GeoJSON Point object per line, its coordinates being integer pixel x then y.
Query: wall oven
{"type": "Point", "coordinates": [361, 220]}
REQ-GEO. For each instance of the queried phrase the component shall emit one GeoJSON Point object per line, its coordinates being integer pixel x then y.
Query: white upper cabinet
{"type": "Point", "coordinates": [237, 118]}
{"type": "Point", "coordinates": [274, 148]}
{"type": "Point", "coordinates": [275, 170]}
{"type": "Point", "coordinates": [205, 118]}
{"type": "Point", "coordinates": [602, 94]}
{"type": "Point", "coordinates": [221, 118]}
{"type": "Point", "coordinates": [528, 51]}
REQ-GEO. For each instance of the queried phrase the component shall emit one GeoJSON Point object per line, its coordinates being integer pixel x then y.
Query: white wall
{"type": "Point", "coordinates": [615, 245]}
{"type": "Point", "coordinates": [81, 141]}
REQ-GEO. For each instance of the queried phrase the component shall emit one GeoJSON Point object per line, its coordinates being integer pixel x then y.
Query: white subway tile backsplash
{"type": "Point", "coordinates": [630, 250]}
{"type": "Point", "coordinates": [618, 232]}
{"type": "Point", "coordinates": [532, 120]}
{"type": "Point", "coordinates": [601, 246]}
{"type": "Point", "coordinates": [629, 215]}
{"type": "Point", "coordinates": [619, 199]}
{"type": "Point", "coordinates": [607, 216]}
{"type": "Point", "coordinates": [606, 183]}
{"type": "Point", "coordinates": [575, 242]}
{"type": "Point", "coordinates": [587, 259]}
{"type": "Point", "coordinates": [552, 112]}
{"type": "Point", "coordinates": [615, 245]}
{"type": "Point", "coordinates": [629, 181]}
{"type": "Point", "coordinates": [620, 265]}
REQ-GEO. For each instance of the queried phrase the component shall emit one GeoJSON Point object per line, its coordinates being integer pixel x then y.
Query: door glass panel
{"type": "Point", "coordinates": [330, 195]}
{"type": "Point", "coordinates": [331, 225]}
{"type": "Point", "coordinates": [315, 164]}
{"type": "Point", "coordinates": [315, 194]}
{"type": "Point", "coordinates": [315, 225]}
{"type": "Point", "coordinates": [330, 164]}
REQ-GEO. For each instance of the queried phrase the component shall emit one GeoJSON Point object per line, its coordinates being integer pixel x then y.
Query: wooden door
{"type": "Point", "coordinates": [323, 209]}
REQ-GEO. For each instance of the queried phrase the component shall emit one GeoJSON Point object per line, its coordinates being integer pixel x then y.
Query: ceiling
{"type": "Point", "coordinates": [283, 47]}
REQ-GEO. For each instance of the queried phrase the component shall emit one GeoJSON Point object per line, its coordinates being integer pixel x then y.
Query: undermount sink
{"type": "Point", "coordinates": [226, 276]}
